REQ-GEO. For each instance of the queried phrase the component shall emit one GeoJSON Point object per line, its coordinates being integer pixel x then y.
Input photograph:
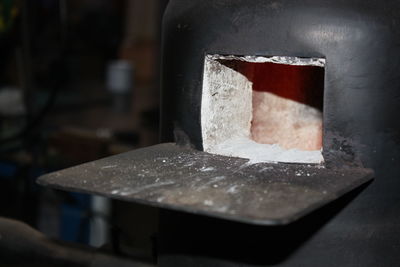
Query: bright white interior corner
{"type": "Point", "coordinates": [243, 117]}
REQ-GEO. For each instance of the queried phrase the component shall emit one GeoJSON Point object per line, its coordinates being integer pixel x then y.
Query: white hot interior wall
{"type": "Point", "coordinates": [227, 113]}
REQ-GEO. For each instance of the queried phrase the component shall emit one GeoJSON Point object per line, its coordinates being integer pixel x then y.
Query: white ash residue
{"type": "Point", "coordinates": [297, 61]}
{"type": "Point", "coordinates": [207, 169]}
{"type": "Point", "coordinates": [208, 202]}
{"type": "Point", "coordinates": [257, 153]}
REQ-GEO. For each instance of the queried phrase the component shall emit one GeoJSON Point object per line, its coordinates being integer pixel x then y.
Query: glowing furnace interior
{"type": "Point", "coordinates": [266, 109]}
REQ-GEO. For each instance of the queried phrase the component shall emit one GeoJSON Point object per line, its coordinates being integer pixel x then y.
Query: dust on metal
{"type": "Point", "coordinates": [185, 179]}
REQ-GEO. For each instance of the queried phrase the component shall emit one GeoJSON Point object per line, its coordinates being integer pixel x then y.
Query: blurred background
{"type": "Point", "coordinates": [79, 80]}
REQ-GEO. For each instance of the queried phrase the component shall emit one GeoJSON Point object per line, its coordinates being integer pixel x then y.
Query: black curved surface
{"type": "Point", "coordinates": [360, 41]}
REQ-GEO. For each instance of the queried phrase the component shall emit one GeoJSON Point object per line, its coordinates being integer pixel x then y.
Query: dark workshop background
{"type": "Point", "coordinates": [60, 106]}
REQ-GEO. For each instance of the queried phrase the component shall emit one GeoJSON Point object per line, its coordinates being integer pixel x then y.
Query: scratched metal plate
{"type": "Point", "coordinates": [170, 176]}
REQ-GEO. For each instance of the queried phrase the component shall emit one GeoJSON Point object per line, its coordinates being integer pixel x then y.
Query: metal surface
{"type": "Point", "coordinates": [185, 179]}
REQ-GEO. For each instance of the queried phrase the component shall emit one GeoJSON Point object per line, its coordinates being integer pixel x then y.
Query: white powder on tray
{"type": "Point", "coordinates": [242, 147]}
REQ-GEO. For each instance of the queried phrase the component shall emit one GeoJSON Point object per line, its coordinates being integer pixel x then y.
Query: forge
{"type": "Point", "coordinates": [275, 117]}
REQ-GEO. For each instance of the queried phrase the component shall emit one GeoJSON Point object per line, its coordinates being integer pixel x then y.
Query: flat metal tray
{"type": "Point", "coordinates": [185, 179]}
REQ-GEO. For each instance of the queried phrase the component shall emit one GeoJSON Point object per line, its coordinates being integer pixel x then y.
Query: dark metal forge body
{"type": "Point", "coordinates": [359, 40]}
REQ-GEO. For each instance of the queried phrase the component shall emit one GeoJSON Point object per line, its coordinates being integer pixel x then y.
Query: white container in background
{"type": "Point", "coordinates": [120, 84]}
{"type": "Point", "coordinates": [120, 77]}
{"type": "Point", "coordinates": [99, 224]}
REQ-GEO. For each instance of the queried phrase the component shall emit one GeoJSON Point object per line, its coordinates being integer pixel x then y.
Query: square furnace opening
{"type": "Point", "coordinates": [266, 109]}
